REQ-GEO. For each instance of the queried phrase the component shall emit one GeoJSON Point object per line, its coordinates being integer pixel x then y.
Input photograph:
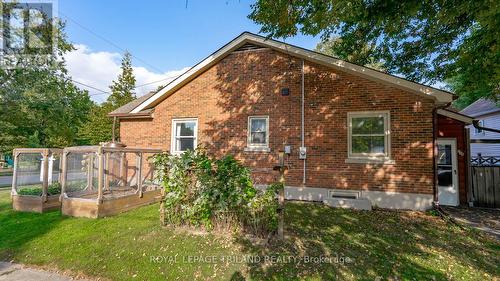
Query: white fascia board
{"type": "Point", "coordinates": [456, 116]}
{"type": "Point", "coordinates": [441, 97]}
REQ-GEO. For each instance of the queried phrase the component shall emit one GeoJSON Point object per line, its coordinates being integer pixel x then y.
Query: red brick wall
{"type": "Point", "coordinates": [248, 83]}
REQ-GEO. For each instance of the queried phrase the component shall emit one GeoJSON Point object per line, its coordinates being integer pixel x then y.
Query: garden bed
{"type": "Point", "coordinates": [100, 181]}
{"type": "Point", "coordinates": [35, 181]}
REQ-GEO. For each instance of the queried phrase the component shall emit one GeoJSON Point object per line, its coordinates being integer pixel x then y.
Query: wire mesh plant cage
{"type": "Point", "coordinates": [102, 181]}
{"type": "Point", "coordinates": [36, 179]}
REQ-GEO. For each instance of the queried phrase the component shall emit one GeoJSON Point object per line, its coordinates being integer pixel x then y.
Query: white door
{"type": "Point", "coordinates": [447, 172]}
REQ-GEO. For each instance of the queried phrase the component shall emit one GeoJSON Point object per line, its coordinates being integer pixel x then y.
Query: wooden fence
{"type": "Point", "coordinates": [486, 186]}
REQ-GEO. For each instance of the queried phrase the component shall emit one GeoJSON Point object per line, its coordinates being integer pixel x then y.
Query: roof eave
{"type": "Point", "coordinates": [455, 115]}
{"type": "Point", "coordinates": [132, 115]}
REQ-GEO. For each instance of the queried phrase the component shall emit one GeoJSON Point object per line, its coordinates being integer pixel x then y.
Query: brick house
{"type": "Point", "coordinates": [367, 137]}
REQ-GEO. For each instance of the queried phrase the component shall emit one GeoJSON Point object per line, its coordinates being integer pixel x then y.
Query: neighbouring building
{"type": "Point", "coordinates": [354, 135]}
{"type": "Point", "coordinates": [487, 112]}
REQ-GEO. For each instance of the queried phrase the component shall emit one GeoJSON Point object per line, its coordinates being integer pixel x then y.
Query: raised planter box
{"type": "Point", "coordinates": [89, 208]}
{"type": "Point", "coordinates": [35, 179]}
{"type": "Point", "coordinates": [26, 203]}
{"type": "Point", "coordinates": [100, 181]}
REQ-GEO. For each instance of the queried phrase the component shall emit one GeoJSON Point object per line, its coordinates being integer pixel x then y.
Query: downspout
{"type": "Point", "coordinates": [114, 129]}
{"type": "Point", "coordinates": [302, 122]}
{"type": "Point", "coordinates": [435, 153]}
{"type": "Point", "coordinates": [113, 142]}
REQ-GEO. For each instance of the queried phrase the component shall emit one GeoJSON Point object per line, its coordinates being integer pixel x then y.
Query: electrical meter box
{"type": "Point", "coordinates": [302, 152]}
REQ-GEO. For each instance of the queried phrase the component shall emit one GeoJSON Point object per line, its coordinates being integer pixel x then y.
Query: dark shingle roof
{"type": "Point", "coordinates": [125, 109]}
{"type": "Point", "coordinates": [480, 107]}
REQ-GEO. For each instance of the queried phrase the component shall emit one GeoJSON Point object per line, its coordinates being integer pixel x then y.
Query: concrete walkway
{"type": "Point", "coordinates": [487, 220]}
{"type": "Point", "coordinates": [16, 272]}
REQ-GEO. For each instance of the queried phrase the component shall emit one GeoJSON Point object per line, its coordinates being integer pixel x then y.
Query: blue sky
{"type": "Point", "coordinates": [164, 36]}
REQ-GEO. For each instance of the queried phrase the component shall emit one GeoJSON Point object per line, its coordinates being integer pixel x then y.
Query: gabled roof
{"type": "Point", "coordinates": [440, 96]}
{"type": "Point", "coordinates": [127, 108]}
{"type": "Point", "coordinates": [481, 107]}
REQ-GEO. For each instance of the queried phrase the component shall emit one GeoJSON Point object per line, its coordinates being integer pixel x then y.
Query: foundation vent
{"type": "Point", "coordinates": [346, 194]}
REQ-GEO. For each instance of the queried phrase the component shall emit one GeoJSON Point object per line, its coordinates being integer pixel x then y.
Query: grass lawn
{"type": "Point", "coordinates": [397, 245]}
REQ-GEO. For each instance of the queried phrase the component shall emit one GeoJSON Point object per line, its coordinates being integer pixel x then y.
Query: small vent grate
{"type": "Point", "coordinates": [248, 47]}
{"type": "Point", "coordinates": [345, 194]}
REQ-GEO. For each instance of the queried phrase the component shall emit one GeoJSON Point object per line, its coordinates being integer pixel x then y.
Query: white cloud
{"type": "Point", "coordinates": [99, 69]}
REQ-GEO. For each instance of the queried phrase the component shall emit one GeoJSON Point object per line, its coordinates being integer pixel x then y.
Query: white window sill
{"type": "Point", "coordinates": [383, 161]}
{"type": "Point", "coordinates": [257, 149]}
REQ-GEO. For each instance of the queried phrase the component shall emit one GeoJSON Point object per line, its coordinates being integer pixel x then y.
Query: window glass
{"type": "Point", "coordinates": [184, 135]}
{"type": "Point", "coordinates": [477, 130]}
{"type": "Point", "coordinates": [185, 129]}
{"type": "Point", "coordinates": [258, 131]}
{"type": "Point", "coordinates": [368, 144]}
{"type": "Point", "coordinates": [444, 154]}
{"type": "Point", "coordinates": [445, 173]}
{"type": "Point", "coordinates": [368, 134]}
{"type": "Point", "coordinates": [368, 125]}
{"type": "Point", "coordinates": [183, 144]}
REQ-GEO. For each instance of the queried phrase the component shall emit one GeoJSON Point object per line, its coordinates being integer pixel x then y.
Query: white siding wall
{"type": "Point", "coordinates": [489, 149]}
{"type": "Point", "coordinates": [491, 121]}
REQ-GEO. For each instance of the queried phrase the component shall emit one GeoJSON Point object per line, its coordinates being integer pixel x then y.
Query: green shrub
{"type": "Point", "coordinates": [202, 191]}
{"type": "Point", "coordinates": [36, 190]}
{"type": "Point", "coordinates": [54, 189]}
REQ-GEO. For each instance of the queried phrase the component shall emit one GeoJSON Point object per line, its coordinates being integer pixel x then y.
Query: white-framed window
{"type": "Point", "coordinates": [258, 132]}
{"type": "Point", "coordinates": [479, 131]}
{"type": "Point", "coordinates": [369, 135]}
{"type": "Point", "coordinates": [184, 135]}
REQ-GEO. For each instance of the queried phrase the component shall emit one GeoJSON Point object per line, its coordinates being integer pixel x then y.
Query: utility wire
{"type": "Point", "coordinates": [102, 92]}
{"type": "Point", "coordinates": [149, 83]}
{"type": "Point", "coordinates": [108, 41]}
{"type": "Point", "coordinates": [91, 87]}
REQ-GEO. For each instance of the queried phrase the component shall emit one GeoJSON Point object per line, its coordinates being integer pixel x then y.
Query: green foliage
{"type": "Point", "coordinates": [202, 191]}
{"type": "Point", "coordinates": [99, 127]}
{"type": "Point", "coordinates": [39, 105]}
{"type": "Point", "coordinates": [52, 189]}
{"type": "Point", "coordinates": [122, 89]}
{"type": "Point", "coordinates": [425, 41]}
{"type": "Point", "coordinates": [433, 212]}
{"type": "Point", "coordinates": [364, 56]}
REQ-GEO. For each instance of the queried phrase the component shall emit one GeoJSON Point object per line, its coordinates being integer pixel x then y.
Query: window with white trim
{"type": "Point", "coordinates": [478, 131]}
{"type": "Point", "coordinates": [184, 135]}
{"type": "Point", "coordinates": [369, 135]}
{"type": "Point", "coordinates": [258, 132]}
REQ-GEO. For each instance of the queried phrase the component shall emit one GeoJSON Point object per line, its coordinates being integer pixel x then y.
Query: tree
{"type": "Point", "coordinates": [327, 47]}
{"type": "Point", "coordinates": [426, 41]}
{"type": "Point", "coordinates": [122, 90]}
{"type": "Point", "coordinates": [39, 104]}
{"type": "Point", "coordinates": [99, 127]}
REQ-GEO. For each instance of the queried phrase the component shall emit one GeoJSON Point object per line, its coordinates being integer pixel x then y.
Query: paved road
{"type": "Point", "coordinates": [487, 220]}
{"type": "Point", "coordinates": [34, 179]}
{"type": "Point", "coordinates": [17, 272]}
